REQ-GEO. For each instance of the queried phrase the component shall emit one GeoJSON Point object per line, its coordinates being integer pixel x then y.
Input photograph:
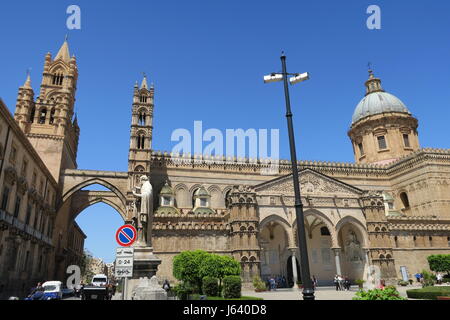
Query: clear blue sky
{"type": "Point", "coordinates": [207, 59]}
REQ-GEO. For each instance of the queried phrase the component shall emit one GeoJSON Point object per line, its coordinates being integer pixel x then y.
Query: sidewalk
{"type": "Point", "coordinates": [321, 293]}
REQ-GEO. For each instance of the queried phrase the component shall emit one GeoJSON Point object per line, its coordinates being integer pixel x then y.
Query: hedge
{"type": "Point", "coordinates": [429, 293]}
{"type": "Point", "coordinates": [232, 287]}
{"type": "Point", "coordinates": [210, 286]}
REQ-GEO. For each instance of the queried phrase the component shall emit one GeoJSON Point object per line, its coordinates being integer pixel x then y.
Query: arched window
{"type": "Point", "coordinates": [396, 241]}
{"type": "Point", "coordinates": [141, 141]}
{"type": "Point", "coordinates": [405, 200]}
{"type": "Point", "coordinates": [42, 115]}
{"type": "Point", "coordinates": [52, 116]}
{"type": "Point", "coordinates": [324, 231]}
{"type": "Point", "coordinates": [58, 79]}
{"type": "Point", "coordinates": [144, 99]}
{"type": "Point", "coordinates": [32, 114]}
{"type": "Point", "coordinates": [141, 119]}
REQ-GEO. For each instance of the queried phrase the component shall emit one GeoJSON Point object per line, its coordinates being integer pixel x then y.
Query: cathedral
{"type": "Point", "coordinates": [390, 209]}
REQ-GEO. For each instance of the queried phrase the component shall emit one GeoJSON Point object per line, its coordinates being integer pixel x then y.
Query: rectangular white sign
{"type": "Point", "coordinates": [124, 262]}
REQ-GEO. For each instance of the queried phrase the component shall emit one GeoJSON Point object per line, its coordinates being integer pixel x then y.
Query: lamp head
{"type": "Point", "coordinates": [273, 77]}
{"type": "Point", "coordinates": [299, 78]}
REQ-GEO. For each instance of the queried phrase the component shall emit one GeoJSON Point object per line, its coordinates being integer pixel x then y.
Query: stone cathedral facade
{"type": "Point", "coordinates": [389, 209]}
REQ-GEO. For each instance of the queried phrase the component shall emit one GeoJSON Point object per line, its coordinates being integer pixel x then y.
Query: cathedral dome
{"type": "Point", "coordinates": [377, 101]}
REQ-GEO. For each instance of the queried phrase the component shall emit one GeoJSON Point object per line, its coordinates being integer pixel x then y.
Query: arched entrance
{"type": "Point", "coordinates": [320, 241]}
{"type": "Point", "coordinates": [274, 242]}
{"type": "Point", "coordinates": [88, 196]}
{"type": "Point", "coordinates": [352, 240]}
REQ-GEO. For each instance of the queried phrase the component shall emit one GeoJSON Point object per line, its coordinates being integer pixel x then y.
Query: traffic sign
{"type": "Point", "coordinates": [126, 235]}
{"type": "Point", "coordinates": [124, 262]}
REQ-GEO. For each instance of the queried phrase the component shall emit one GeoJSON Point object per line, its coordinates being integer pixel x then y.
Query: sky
{"type": "Point", "coordinates": [207, 59]}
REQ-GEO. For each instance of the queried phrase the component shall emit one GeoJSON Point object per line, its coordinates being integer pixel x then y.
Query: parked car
{"type": "Point", "coordinates": [52, 290]}
{"type": "Point", "coordinates": [67, 292]}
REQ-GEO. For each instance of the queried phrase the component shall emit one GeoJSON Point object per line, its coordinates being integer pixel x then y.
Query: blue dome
{"type": "Point", "coordinates": [377, 103]}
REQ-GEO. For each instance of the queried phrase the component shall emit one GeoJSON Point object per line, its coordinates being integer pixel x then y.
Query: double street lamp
{"type": "Point", "coordinates": [308, 290]}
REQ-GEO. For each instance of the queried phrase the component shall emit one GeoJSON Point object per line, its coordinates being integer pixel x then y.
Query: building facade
{"type": "Point", "coordinates": [390, 209]}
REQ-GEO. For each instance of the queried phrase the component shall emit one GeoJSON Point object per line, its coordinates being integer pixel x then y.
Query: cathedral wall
{"type": "Point", "coordinates": [415, 260]}
{"type": "Point", "coordinates": [167, 246]}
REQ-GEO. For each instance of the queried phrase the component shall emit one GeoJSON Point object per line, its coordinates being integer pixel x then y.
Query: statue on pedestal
{"type": "Point", "coordinates": [143, 211]}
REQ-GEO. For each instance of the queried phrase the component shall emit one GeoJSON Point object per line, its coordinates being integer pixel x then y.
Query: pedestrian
{"type": "Point", "coordinates": [166, 285]}
{"type": "Point", "coordinates": [272, 284]}
{"type": "Point", "coordinates": [336, 282]}
{"type": "Point", "coordinates": [314, 280]}
{"type": "Point", "coordinates": [417, 275]}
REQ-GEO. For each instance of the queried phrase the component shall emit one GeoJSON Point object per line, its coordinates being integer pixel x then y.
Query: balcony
{"type": "Point", "coordinates": [14, 222]}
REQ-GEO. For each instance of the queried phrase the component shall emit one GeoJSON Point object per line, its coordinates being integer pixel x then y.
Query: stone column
{"type": "Point", "coordinates": [337, 258]}
{"type": "Point", "coordinates": [294, 266]}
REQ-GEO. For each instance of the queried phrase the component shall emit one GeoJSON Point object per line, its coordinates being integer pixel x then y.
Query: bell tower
{"type": "Point", "coordinates": [141, 133]}
{"type": "Point", "coordinates": [48, 121]}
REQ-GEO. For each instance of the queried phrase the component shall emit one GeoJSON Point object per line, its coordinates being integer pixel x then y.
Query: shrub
{"type": "Point", "coordinates": [428, 279]}
{"type": "Point", "coordinates": [232, 287]}
{"type": "Point", "coordinates": [430, 293]}
{"type": "Point", "coordinates": [360, 282]}
{"type": "Point", "coordinates": [388, 293]}
{"type": "Point", "coordinates": [402, 283]}
{"type": "Point", "coordinates": [210, 286]}
{"type": "Point", "coordinates": [183, 290]}
{"type": "Point", "coordinates": [258, 284]}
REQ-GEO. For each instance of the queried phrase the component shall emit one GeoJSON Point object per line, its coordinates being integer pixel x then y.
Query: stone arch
{"type": "Point", "coordinates": [182, 199]}
{"type": "Point", "coordinates": [331, 228]}
{"type": "Point", "coordinates": [217, 198]}
{"type": "Point", "coordinates": [92, 181]}
{"type": "Point", "coordinates": [85, 199]}
{"type": "Point", "coordinates": [356, 223]}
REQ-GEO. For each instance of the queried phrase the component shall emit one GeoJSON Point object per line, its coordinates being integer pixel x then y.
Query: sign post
{"type": "Point", "coordinates": [124, 267]}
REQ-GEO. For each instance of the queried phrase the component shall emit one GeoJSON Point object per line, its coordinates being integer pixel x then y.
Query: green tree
{"type": "Point", "coordinates": [218, 266]}
{"type": "Point", "coordinates": [86, 272]}
{"type": "Point", "coordinates": [186, 267]}
{"type": "Point", "coordinates": [193, 266]}
{"type": "Point", "coordinates": [439, 262]}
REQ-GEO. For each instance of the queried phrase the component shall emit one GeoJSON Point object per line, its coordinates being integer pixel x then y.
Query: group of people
{"type": "Point", "coordinates": [342, 283]}
{"type": "Point", "coordinates": [276, 282]}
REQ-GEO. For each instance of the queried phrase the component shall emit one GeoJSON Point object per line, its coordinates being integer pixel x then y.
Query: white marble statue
{"type": "Point", "coordinates": [144, 211]}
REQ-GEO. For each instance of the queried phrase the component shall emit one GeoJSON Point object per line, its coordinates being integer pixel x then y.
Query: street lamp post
{"type": "Point", "coordinates": [308, 290]}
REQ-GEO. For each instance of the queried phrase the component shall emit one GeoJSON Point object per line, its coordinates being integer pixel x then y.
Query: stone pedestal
{"type": "Point", "coordinates": [149, 289]}
{"type": "Point", "coordinates": [145, 266]}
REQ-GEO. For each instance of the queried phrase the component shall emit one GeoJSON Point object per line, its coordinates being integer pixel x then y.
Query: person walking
{"type": "Point", "coordinates": [336, 282]}
{"type": "Point", "coordinates": [314, 280]}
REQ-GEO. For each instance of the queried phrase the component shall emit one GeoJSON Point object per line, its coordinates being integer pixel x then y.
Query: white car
{"type": "Point", "coordinates": [100, 280]}
{"type": "Point", "coordinates": [52, 290]}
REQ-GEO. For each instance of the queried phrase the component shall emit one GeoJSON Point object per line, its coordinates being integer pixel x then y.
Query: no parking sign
{"type": "Point", "coordinates": [126, 235]}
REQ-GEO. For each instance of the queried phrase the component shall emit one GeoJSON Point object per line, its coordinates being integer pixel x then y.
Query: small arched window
{"type": "Point", "coordinates": [396, 241]}
{"type": "Point", "coordinates": [324, 231]}
{"type": "Point", "coordinates": [52, 116]}
{"type": "Point", "coordinates": [405, 200]}
{"type": "Point", "coordinates": [42, 115]}
{"type": "Point", "coordinates": [141, 119]}
{"type": "Point", "coordinates": [32, 114]}
{"type": "Point", "coordinates": [58, 79]}
{"type": "Point", "coordinates": [140, 141]}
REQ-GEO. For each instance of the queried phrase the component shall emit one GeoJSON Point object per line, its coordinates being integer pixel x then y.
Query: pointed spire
{"type": "Point", "coordinates": [63, 52]}
{"type": "Point", "coordinates": [373, 84]}
{"type": "Point", "coordinates": [144, 84]}
{"type": "Point", "coordinates": [27, 83]}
